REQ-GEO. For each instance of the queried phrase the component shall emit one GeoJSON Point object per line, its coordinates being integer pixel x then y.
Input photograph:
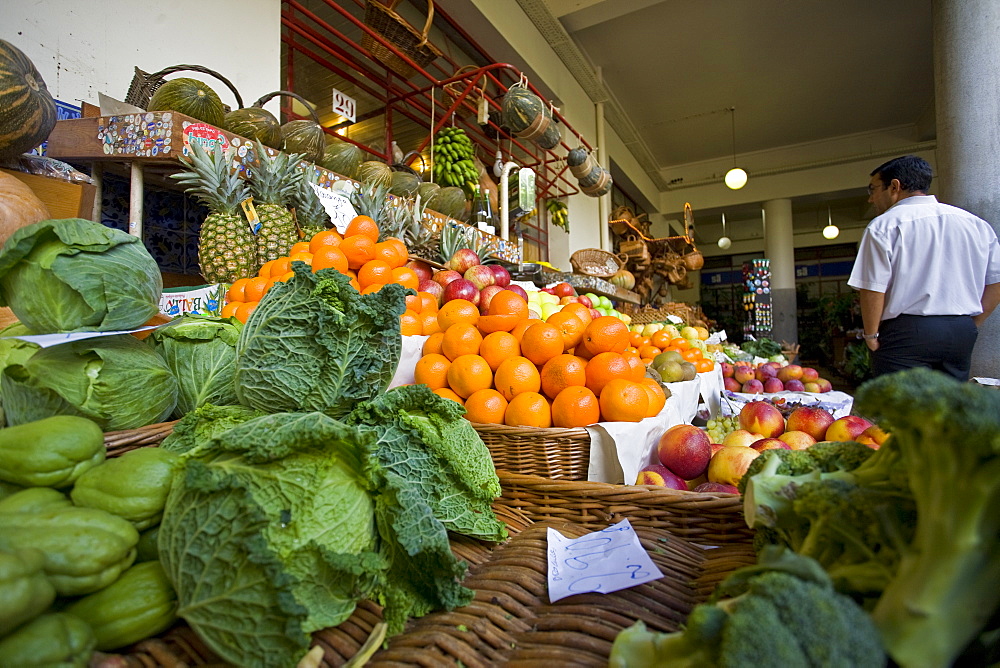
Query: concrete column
{"type": "Point", "coordinates": [779, 248]}
{"type": "Point", "coordinates": [966, 81]}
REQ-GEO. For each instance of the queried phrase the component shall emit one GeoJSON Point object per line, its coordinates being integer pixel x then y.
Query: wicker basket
{"type": "Point", "coordinates": [143, 84]}
{"type": "Point", "coordinates": [406, 39]}
{"type": "Point", "coordinates": [556, 453]}
{"type": "Point", "coordinates": [118, 442]}
{"type": "Point", "coordinates": [596, 262]}
{"type": "Point", "coordinates": [455, 89]}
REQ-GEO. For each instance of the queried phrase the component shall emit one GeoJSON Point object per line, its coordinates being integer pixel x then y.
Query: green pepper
{"type": "Point", "coordinates": [139, 604]}
{"type": "Point", "coordinates": [34, 499]}
{"type": "Point", "coordinates": [25, 592]}
{"type": "Point", "coordinates": [85, 549]}
{"type": "Point", "coordinates": [133, 486]}
{"type": "Point", "coordinates": [53, 640]}
{"type": "Point", "coordinates": [52, 452]}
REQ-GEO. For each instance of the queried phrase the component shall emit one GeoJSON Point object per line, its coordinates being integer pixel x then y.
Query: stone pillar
{"type": "Point", "coordinates": [779, 248]}
{"type": "Point", "coordinates": [966, 81]}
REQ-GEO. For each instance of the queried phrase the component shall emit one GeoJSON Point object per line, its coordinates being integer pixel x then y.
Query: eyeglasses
{"type": "Point", "coordinates": [873, 187]}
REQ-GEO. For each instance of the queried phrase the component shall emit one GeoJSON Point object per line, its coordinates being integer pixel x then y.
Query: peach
{"type": "Point", "coordinates": [657, 474]}
{"type": "Point", "coordinates": [873, 436]}
{"type": "Point", "coordinates": [810, 419]}
{"type": "Point", "coordinates": [811, 387]}
{"type": "Point", "coordinates": [727, 370]}
{"type": "Point", "coordinates": [797, 440]}
{"type": "Point", "coordinates": [794, 385]}
{"type": "Point", "coordinates": [790, 372]}
{"type": "Point", "coordinates": [716, 488]}
{"type": "Point", "coordinates": [809, 374]}
{"type": "Point", "coordinates": [770, 444]}
{"type": "Point", "coordinates": [732, 384]}
{"type": "Point", "coordinates": [741, 437]}
{"type": "Point", "coordinates": [752, 386]}
{"type": "Point", "coordinates": [762, 418]}
{"type": "Point", "coordinates": [716, 447]}
{"type": "Point", "coordinates": [742, 373]}
{"type": "Point", "coordinates": [685, 450]}
{"type": "Point", "coordinates": [847, 428]}
{"type": "Point", "coordinates": [764, 372]}
{"type": "Point", "coordinates": [730, 464]}
{"type": "Point", "coordinates": [772, 385]}
{"type": "Point", "coordinates": [824, 385]}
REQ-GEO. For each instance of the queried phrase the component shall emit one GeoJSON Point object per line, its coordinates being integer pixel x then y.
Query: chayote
{"type": "Point", "coordinates": [133, 486]}
{"type": "Point", "coordinates": [53, 640]}
{"type": "Point", "coordinates": [25, 592]}
{"type": "Point", "coordinates": [34, 499]}
{"type": "Point", "coordinates": [51, 452]}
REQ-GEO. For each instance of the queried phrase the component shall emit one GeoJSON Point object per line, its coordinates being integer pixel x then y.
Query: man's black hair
{"type": "Point", "coordinates": [914, 173]}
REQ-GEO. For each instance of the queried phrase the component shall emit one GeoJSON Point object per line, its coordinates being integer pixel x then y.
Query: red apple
{"type": "Point", "coordinates": [657, 474]}
{"type": "Point", "coordinates": [430, 287]}
{"type": "Point", "coordinates": [770, 444]}
{"type": "Point", "coordinates": [730, 463]}
{"type": "Point", "coordinates": [480, 276]}
{"type": "Point", "coordinates": [563, 290]}
{"type": "Point", "coordinates": [445, 276]}
{"type": "Point", "coordinates": [772, 385]}
{"type": "Point", "coordinates": [742, 373]}
{"type": "Point", "coordinates": [486, 296]}
{"type": "Point", "coordinates": [794, 385]}
{"type": "Point", "coordinates": [760, 417]}
{"type": "Point", "coordinates": [732, 384]}
{"type": "Point", "coordinates": [595, 314]}
{"type": "Point", "coordinates": [752, 386]}
{"type": "Point", "coordinates": [810, 419]}
{"type": "Point", "coordinates": [809, 374]}
{"type": "Point", "coordinates": [568, 300]}
{"type": "Point", "coordinates": [727, 370]}
{"type": "Point", "coordinates": [519, 290]}
{"type": "Point", "coordinates": [423, 270]}
{"type": "Point", "coordinates": [462, 260]}
{"type": "Point", "coordinates": [548, 290]}
{"type": "Point", "coordinates": [500, 274]}
{"type": "Point", "coordinates": [716, 488]}
{"type": "Point", "coordinates": [847, 428]}
{"type": "Point", "coordinates": [461, 289]}
{"type": "Point", "coordinates": [790, 372]}
{"type": "Point", "coordinates": [685, 450]}
{"type": "Point", "coordinates": [585, 300]}
{"type": "Point", "coordinates": [797, 440]}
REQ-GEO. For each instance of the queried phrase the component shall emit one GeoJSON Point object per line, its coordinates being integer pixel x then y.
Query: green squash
{"type": "Point", "coordinates": [520, 108]}
{"type": "Point", "coordinates": [190, 97]}
{"type": "Point", "coordinates": [577, 156]}
{"type": "Point", "coordinates": [27, 110]}
{"type": "Point", "coordinates": [343, 158]}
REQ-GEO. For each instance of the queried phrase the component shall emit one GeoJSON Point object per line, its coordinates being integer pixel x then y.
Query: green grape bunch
{"type": "Point", "coordinates": [721, 426]}
{"type": "Point", "coordinates": [453, 160]}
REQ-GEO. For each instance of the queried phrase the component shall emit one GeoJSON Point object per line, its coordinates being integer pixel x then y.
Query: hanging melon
{"type": "Point", "coordinates": [403, 184]}
{"type": "Point", "coordinates": [190, 97]}
{"type": "Point", "coordinates": [449, 201]}
{"type": "Point", "coordinates": [375, 172]}
{"type": "Point", "coordinates": [343, 158]}
{"type": "Point", "coordinates": [27, 110]}
{"type": "Point", "coordinates": [304, 136]}
{"type": "Point", "coordinates": [576, 157]}
{"type": "Point", "coordinates": [255, 122]}
{"type": "Point", "coordinates": [521, 108]}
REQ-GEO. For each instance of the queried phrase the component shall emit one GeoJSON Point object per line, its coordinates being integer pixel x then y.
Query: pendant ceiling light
{"type": "Point", "coordinates": [831, 231]}
{"type": "Point", "coordinates": [724, 241]}
{"type": "Point", "coordinates": [736, 178]}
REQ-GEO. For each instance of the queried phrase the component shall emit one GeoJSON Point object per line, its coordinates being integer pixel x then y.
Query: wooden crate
{"type": "Point", "coordinates": [62, 198]}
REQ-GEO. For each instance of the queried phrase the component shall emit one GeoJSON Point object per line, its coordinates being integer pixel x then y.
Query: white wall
{"type": "Point", "coordinates": [90, 46]}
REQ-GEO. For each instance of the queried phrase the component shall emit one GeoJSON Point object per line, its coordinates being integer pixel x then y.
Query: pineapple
{"type": "Point", "coordinates": [273, 185]}
{"type": "Point", "coordinates": [418, 236]}
{"type": "Point", "coordinates": [372, 200]}
{"type": "Point", "coordinates": [309, 212]}
{"type": "Point", "coordinates": [226, 246]}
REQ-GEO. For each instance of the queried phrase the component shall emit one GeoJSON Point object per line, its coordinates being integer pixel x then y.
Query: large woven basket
{"type": "Point", "coordinates": [556, 453]}
{"type": "Point", "coordinates": [406, 39]}
{"type": "Point", "coordinates": [144, 84]}
{"type": "Point", "coordinates": [596, 262]}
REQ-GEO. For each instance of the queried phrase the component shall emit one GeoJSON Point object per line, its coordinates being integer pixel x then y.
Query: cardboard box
{"type": "Point", "coordinates": [62, 198]}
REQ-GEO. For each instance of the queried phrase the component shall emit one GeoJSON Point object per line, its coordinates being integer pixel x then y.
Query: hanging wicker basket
{"type": "Point", "coordinates": [406, 39]}
{"type": "Point", "coordinates": [143, 84]}
{"type": "Point", "coordinates": [455, 89]}
{"type": "Point", "coordinates": [596, 262]}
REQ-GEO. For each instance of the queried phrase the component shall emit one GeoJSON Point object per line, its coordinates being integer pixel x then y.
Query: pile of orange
{"type": "Point", "coordinates": [648, 347]}
{"type": "Point", "coordinates": [359, 254]}
{"type": "Point", "coordinates": [505, 368]}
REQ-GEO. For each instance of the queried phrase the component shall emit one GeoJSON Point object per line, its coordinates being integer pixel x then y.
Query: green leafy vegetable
{"type": "Point", "coordinates": [76, 275]}
{"type": "Point", "coordinates": [763, 347]}
{"type": "Point", "coordinates": [314, 343]}
{"type": "Point", "coordinates": [116, 381]}
{"type": "Point", "coordinates": [204, 423]}
{"type": "Point", "coordinates": [14, 351]}
{"type": "Point", "coordinates": [201, 352]}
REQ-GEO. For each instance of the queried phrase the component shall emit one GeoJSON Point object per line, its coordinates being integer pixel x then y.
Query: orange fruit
{"type": "Point", "coordinates": [244, 310]}
{"type": "Point", "coordinates": [358, 249]}
{"type": "Point", "coordinates": [704, 365]}
{"type": "Point", "coordinates": [497, 323]}
{"type": "Point", "coordinates": [301, 256]}
{"type": "Point", "coordinates": [657, 397]}
{"type": "Point", "coordinates": [265, 269]}
{"type": "Point", "coordinates": [432, 371]}
{"type": "Point", "coordinates": [374, 287]}
{"type": "Point", "coordinates": [433, 344]}
{"type": "Point", "coordinates": [468, 374]}
{"type": "Point", "coordinates": [449, 393]}
{"type": "Point", "coordinates": [229, 310]}
{"type": "Point", "coordinates": [624, 401]}
{"type": "Point", "coordinates": [541, 342]}
{"type": "Point", "coordinates": [691, 354]}
{"type": "Point", "coordinates": [487, 406]}
{"type": "Point", "coordinates": [281, 266]}
{"type": "Point", "coordinates": [460, 339]}
{"type": "Point", "coordinates": [412, 301]}
{"type": "Point", "coordinates": [637, 365]}
{"type": "Point", "coordinates": [517, 375]}
{"type": "Point", "coordinates": [401, 248]}
{"type": "Point", "coordinates": [374, 271]}
{"type": "Point", "coordinates": [521, 327]}
{"type": "Point", "coordinates": [680, 343]}
{"type": "Point", "coordinates": [579, 310]}
{"type": "Point", "coordinates": [497, 347]}
{"type": "Point", "coordinates": [286, 276]}
{"type": "Point", "coordinates": [649, 351]}
{"type": "Point", "coordinates": [299, 247]}
{"type": "Point", "coordinates": [508, 302]}
{"type": "Point", "coordinates": [631, 351]}
{"type": "Point", "coordinates": [329, 257]}
{"type": "Point", "coordinates": [410, 324]}
{"type": "Point", "coordinates": [355, 284]}
{"type": "Point", "coordinates": [575, 407]}
{"type": "Point", "coordinates": [635, 339]}
{"type": "Point", "coordinates": [570, 327]}
{"type": "Point", "coordinates": [405, 277]}
{"type": "Point", "coordinates": [235, 292]}
{"type": "Point", "coordinates": [429, 323]}
{"type": "Point", "coordinates": [255, 289]}
{"type": "Point", "coordinates": [563, 371]}
{"type": "Point", "coordinates": [660, 339]}
{"type": "Point", "coordinates": [605, 367]}
{"type": "Point", "coordinates": [324, 239]}
{"type": "Point", "coordinates": [457, 310]}
{"type": "Point", "coordinates": [428, 302]}
{"type": "Point", "coordinates": [388, 253]}
{"type": "Point", "coordinates": [528, 409]}
{"type": "Point", "coordinates": [606, 334]}
{"type": "Point", "coordinates": [364, 226]}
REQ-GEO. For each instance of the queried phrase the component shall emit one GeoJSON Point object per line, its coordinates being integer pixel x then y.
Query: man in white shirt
{"type": "Point", "coordinates": [928, 274]}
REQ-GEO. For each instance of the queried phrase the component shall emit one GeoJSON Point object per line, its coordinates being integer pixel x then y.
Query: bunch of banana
{"type": "Point", "coordinates": [453, 165]}
{"type": "Point", "coordinates": [558, 213]}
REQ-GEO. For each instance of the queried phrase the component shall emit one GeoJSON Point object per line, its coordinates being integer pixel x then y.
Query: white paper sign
{"type": "Point", "coordinates": [337, 206]}
{"type": "Point", "coordinates": [48, 340]}
{"type": "Point", "coordinates": [603, 561]}
{"type": "Point", "coordinates": [675, 319]}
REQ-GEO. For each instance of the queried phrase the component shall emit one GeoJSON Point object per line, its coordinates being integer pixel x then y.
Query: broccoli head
{"type": "Point", "coordinates": [782, 612]}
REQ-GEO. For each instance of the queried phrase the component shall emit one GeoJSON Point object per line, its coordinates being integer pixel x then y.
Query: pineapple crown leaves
{"type": "Point", "coordinates": [275, 179]}
{"type": "Point", "coordinates": [212, 180]}
{"type": "Point", "coordinates": [455, 237]}
{"type": "Point", "coordinates": [309, 209]}
{"type": "Point", "coordinates": [371, 199]}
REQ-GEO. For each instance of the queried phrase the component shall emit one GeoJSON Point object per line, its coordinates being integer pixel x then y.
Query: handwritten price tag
{"type": "Point", "coordinates": [338, 206]}
{"type": "Point", "coordinates": [603, 562]}
{"type": "Point", "coordinates": [344, 105]}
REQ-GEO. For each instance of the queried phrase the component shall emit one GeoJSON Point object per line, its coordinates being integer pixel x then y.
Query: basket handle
{"type": "Point", "coordinates": [288, 93]}
{"type": "Point", "coordinates": [391, 6]}
{"type": "Point", "coordinates": [153, 78]}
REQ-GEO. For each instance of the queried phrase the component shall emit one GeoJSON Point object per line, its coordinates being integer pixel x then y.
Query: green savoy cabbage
{"type": "Point", "coordinates": [116, 381]}
{"type": "Point", "coordinates": [315, 344]}
{"type": "Point", "coordinates": [201, 352]}
{"type": "Point", "coordinates": [76, 275]}
{"type": "Point", "coordinates": [205, 423]}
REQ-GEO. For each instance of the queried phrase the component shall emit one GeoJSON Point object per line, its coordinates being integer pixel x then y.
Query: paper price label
{"type": "Point", "coordinates": [251, 214]}
{"type": "Point", "coordinates": [337, 206]}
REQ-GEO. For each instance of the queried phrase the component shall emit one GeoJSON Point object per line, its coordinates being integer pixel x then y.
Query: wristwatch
{"type": "Point", "coordinates": [868, 337]}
